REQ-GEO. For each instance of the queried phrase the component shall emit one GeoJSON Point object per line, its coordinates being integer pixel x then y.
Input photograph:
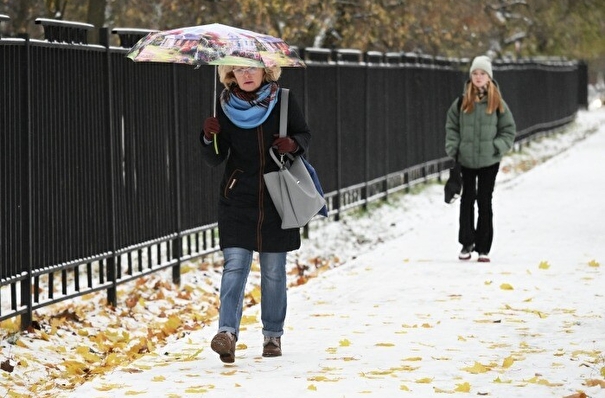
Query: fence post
{"type": "Point", "coordinates": [177, 243]}
{"type": "Point", "coordinates": [393, 60]}
{"type": "Point", "coordinates": [26, 208]}
{"type": "Point", "coordinates": [339, 196]}
{"type": "Point", "coordinates": [371, 58]}
{"type": "Point", "coordinates": [112, 295]}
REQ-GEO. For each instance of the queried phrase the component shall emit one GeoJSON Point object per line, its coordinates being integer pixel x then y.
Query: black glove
{"type": "Point", "coordinates": [285, 145]}
{"type": "Point", "coordinates": [211, 127]}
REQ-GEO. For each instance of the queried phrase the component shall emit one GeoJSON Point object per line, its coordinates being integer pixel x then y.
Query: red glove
{"type": "Point", "coordinates": [211, 127]}
{"type": "Point", "coordinates": [285, 145]}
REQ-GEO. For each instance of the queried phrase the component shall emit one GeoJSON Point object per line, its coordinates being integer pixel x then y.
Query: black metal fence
{"type": "Point", "coordinates": [101, 179]}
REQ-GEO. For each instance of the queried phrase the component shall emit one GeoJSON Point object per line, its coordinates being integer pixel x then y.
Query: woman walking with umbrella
{"type": "Point", "coordinates": [245, 129]}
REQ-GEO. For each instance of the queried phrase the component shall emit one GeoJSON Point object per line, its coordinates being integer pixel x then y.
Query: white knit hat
{"type": "Point", "coordinates": [482, 62]}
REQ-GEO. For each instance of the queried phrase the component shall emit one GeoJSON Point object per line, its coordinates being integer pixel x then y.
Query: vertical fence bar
{"type": "Point", "coordinates": [177, 251]}
{"type": "Point", "coordinates": [26, 209]}
{"type": "Point", "coordinates": [338, 198]}
{"type": "Point", "coordinates": [366, 138]}
{"type": "Point", "coordinates": [112, 295]}
{"type": "Point", "coordinates": [305, 108]}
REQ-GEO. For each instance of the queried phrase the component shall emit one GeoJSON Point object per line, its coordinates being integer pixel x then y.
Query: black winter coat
{"type": "Point", "coordinates": [247, 217]}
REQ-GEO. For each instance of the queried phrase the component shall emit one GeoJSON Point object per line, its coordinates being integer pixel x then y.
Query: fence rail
{"type": "Point", "coordinates": [101, 176]}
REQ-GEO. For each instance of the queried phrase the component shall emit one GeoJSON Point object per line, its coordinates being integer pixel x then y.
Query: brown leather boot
{"type": "Point", "coordinates": [224, 345]}
{"type": "Point", "coordinates": [272, 347]}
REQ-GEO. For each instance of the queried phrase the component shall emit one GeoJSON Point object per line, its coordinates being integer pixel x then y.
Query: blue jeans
{"type": "Point", "coordinates": [273, 290]}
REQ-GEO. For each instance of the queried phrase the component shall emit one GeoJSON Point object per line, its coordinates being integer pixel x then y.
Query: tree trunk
{"type": "Point", "coordinates": [96, 17]}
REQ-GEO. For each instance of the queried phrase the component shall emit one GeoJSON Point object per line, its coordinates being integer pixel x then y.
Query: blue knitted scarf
{"type": "Point", "coordinates": [249, 109]}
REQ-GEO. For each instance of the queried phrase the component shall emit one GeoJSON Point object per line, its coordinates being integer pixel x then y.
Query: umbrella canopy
{"type": "Point", "coordinates": [215, 44]}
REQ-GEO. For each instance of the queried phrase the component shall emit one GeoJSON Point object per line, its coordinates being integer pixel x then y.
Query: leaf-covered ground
{"type": "Point", "coordinates": [511, 314]}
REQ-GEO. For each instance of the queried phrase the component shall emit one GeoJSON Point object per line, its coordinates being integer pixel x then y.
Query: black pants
{"type": "Point", "coordinates": [477, 185]}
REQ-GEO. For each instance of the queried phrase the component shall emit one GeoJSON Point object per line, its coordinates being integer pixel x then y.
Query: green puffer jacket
{"type": "Point", "coordinates": [477, 139]}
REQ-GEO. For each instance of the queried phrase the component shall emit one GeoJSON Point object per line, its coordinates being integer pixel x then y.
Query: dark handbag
{"type": "Point", "coordinates": [315, 178]}
{"type": "Point", "coordinates": [292, 189]}
{"type": "Point", "coordinates": [453, 186]}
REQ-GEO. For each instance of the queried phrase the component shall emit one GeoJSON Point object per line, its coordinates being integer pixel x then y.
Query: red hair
{"type": "Point", "coordinates": [494, 99]}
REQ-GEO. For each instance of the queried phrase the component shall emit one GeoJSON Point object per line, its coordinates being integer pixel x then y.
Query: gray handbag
{"type": "Point", "coordinates": [291, 187]}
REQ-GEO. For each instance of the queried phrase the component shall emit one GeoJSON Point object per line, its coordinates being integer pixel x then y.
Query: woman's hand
{"type": "Point", "coordinates": [285, 145]}
{"type": "Point", "coordinates": [211, 127]}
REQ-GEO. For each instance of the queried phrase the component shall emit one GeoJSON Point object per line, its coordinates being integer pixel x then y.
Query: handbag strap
{"type": "Point", "coordinates": [283, 116]}
{"type": "Point", "coordinates": [283, 126]}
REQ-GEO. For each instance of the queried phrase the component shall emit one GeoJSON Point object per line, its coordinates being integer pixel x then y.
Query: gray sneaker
{"type": "Point", "coordinates": [272, 347]}
{"type": "Point", "coordinates": [224, 345]}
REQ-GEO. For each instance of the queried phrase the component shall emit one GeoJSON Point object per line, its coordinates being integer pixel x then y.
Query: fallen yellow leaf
{"type": "Point", "coordinates": [75, 367]}
{"type": "Point", "coordinates": [464, 387]}
{"type": "Point", "coordinates": [322, 378]}
{"type": "Point", "coordinates": [130, 392]}
{"type": "Point", "coordinates": [172, 324]}
{"type": "Point", "coordinates": [595, 382]}
{"type": "Point", "coordinates": [256, 294]}
{"type": "Point", "coordinates": [576, 395]}
{"type": "Point", "coordinates": [21, 344]}
{"type": "Point", "coordinates": [10, 325]}
{"type": "Point", "coordinates": [248, 320]}
{"type": "Point", "coordinates": [506, 286]}
{"type": "Point", "coordinates": [543, 382]}
{"type": "Point", "coordinates": [381, 372]}
{"type": "Point", "coordinates": [508, 362]}
{"type": "Point", "coordinates": [108, 387]}
{"type": "Point", "coordinates": [544, 265]}
{"type": "Point", "coordinates": [476, 368]}
{"type": "Point", "coordinates": [197, 390]}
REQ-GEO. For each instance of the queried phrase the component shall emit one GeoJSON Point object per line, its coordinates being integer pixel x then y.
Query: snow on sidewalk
{"type": "Point", "coordinates": [408, 319]}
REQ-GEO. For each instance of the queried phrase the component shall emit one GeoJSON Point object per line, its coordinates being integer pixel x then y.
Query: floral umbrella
{"type": "Point", "coordinates": [214, 44]}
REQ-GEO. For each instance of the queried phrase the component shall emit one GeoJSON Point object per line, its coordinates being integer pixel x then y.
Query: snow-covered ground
{"type": "Point", "coordinates": [391, 311]}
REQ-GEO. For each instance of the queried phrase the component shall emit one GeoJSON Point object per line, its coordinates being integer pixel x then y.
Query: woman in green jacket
{"type": "Point", "coordinates": [480, 129]}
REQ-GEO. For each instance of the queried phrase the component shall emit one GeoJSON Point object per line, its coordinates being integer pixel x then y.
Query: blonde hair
{"type": "Point", "coordinates": [226, 76]}
{"type": "Point", "coordinates": [494, 99]}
